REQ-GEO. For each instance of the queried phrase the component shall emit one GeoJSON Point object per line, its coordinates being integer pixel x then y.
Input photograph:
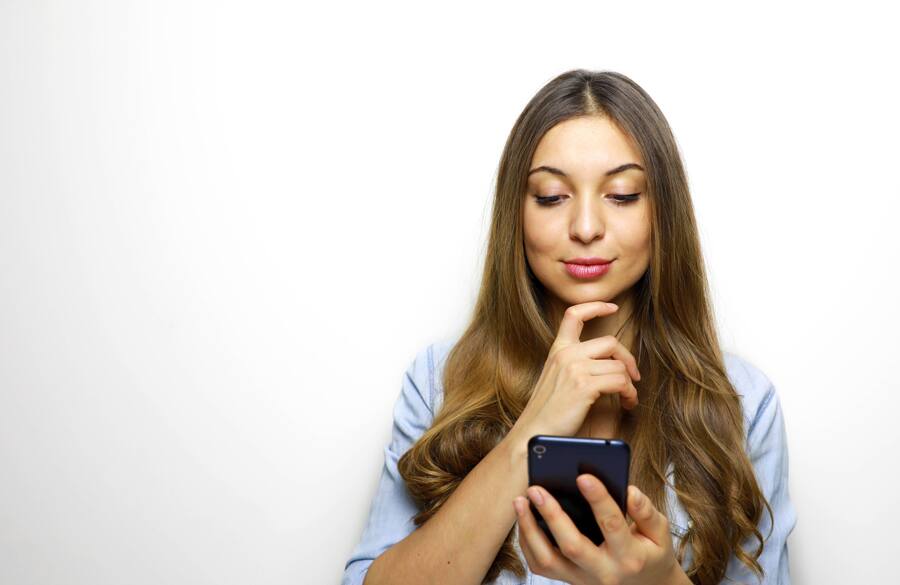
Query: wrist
{"type": "Point", "coordinates": [516, 446]}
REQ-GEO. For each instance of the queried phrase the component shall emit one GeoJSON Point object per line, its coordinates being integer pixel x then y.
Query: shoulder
{"type": "Point", "coordinates": [424, 375]}
{"type": "Point", "coordinates": [752, 385]}
{"type": "Point", "coordinates": [439, 351]}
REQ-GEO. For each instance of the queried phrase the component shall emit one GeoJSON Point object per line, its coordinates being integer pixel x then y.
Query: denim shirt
{"type": "Point", "coordinates": [392, 510]}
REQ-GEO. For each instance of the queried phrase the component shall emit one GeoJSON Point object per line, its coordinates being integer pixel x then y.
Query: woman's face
{"type": "Point", "coordinates": [587, 215]}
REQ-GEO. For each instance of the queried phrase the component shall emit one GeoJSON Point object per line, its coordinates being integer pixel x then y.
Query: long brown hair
{"type": "Point", "coordinates": [689, 414]}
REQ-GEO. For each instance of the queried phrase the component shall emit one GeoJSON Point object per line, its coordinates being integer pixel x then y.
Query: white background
{"type": "Point", "coordinates": [226, 229]}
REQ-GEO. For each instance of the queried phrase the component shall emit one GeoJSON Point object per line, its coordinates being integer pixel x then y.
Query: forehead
{"type": "Point", "coordinates": [586, 146]}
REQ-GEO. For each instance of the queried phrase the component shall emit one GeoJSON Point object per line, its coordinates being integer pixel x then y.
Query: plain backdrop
{"type": "Point", "coordinates": [226, 228]}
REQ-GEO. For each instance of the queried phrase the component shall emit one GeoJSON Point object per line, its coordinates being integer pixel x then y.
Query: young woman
{"type": "Point", "coordinates": [592, 206]}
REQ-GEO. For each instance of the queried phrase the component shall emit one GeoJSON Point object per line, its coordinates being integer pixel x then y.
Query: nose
{"type": "Point", "coordinates": [588, 221]}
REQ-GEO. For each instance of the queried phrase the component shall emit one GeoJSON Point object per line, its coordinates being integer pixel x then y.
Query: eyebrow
{"type": "Point", "coordinates": [557, 171]}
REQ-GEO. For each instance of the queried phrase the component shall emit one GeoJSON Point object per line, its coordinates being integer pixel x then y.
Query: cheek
{"type": "Point", "coordinates": [541, 238]}
{"type": "Point", "coordinates": [635, 236]}
{"type": "Point", "coordinates": [636, 242]}
{"type": "Point", "coordinates": [538, 244]}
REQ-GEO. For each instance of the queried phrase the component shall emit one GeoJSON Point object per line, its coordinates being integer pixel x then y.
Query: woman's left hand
{"type": "Point", "coordinates": [639, 554]}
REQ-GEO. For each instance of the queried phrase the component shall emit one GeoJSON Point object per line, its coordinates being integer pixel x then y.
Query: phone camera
{"type": "Point", "coordinates": [539, 450]}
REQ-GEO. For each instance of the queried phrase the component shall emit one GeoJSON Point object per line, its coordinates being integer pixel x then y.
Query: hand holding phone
{"type": "Point", "coordinates": [642, 552]}
{"type": "Point", "coordinates": [554, 463]}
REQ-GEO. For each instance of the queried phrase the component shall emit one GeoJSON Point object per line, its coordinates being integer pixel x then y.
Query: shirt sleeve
{"type": "Point", "coordinates": [392, 510]}
{"type": "Point", "coordinates": [768, 449]}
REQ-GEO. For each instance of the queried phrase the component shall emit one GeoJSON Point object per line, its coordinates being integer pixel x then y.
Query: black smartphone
{"type": "Point", "coordinates": [554, 463]}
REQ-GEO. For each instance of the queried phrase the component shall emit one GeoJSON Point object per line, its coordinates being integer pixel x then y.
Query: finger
{"type": "Point", "coordinates": [649, 521]}
{"type": "Point", "coordinates": [530, 558]}
{"type": "Point", "coordinates": [619, 385]}
{"type": "Point", "coordinates": [609, 345]}
{"type": "Point", "coordinates": [545, 559]}
{"type": "Point", "coordinates": [526, 549]}
{"type": "Point", "coordinates": [620, 376]}
{"type": "Point", "coordinates": [533, 565]}
{"type": "Point", "coordinates": [572, 543]}
{"type": "Point", "coordinates": [572, 323]}
{"type": "Point", "coordinates": [608, 514]}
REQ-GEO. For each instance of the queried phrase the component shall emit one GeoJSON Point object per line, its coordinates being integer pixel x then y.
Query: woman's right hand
{"type": "Point", "coordinates": [576, 373]}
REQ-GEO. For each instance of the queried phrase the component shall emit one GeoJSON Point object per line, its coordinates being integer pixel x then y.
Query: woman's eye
{"type": "Point", "coordinates": [617, 199]}
{"type": "Point", "coordinates": [624, 199]}
{"type": "Point", "coordinates": [551, 200]}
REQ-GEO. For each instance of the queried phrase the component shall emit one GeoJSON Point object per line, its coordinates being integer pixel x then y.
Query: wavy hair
{"type": "Point", "coordinates": [689, 416]}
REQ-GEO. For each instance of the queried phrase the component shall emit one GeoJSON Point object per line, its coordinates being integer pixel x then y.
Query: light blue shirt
{"type": "Point", "coordinates": [392, 510]}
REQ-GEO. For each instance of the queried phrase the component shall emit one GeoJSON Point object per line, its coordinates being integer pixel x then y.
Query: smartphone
{"type": "Point", "coordinates": [554, 463]}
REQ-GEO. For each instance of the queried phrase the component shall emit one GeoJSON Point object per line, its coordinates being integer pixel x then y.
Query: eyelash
{"type": "Point", "coordinates": [545, 201]}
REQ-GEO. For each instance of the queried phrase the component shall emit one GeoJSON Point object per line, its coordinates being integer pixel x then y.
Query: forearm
{"type": "Point", "coordinates": [458, 544]}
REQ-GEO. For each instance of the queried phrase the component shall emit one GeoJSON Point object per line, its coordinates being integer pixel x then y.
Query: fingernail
{"type": "Point", "coordinates": [638, 497]}
{"type": "Point", "coordinates": [585, 483]}
{"type": "Point", "coordinates": [613, 305]}
{"type": "Point", "coordinates": [536, 497]}
{"type": "Point", "coordinates": [520, 508]}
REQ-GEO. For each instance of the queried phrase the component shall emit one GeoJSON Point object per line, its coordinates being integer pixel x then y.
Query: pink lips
{"type": "Point", "coordinates": [587, 270]}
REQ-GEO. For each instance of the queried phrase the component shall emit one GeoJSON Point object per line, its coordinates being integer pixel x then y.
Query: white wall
{"type": "Point", "coordinates": [196, 388]}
